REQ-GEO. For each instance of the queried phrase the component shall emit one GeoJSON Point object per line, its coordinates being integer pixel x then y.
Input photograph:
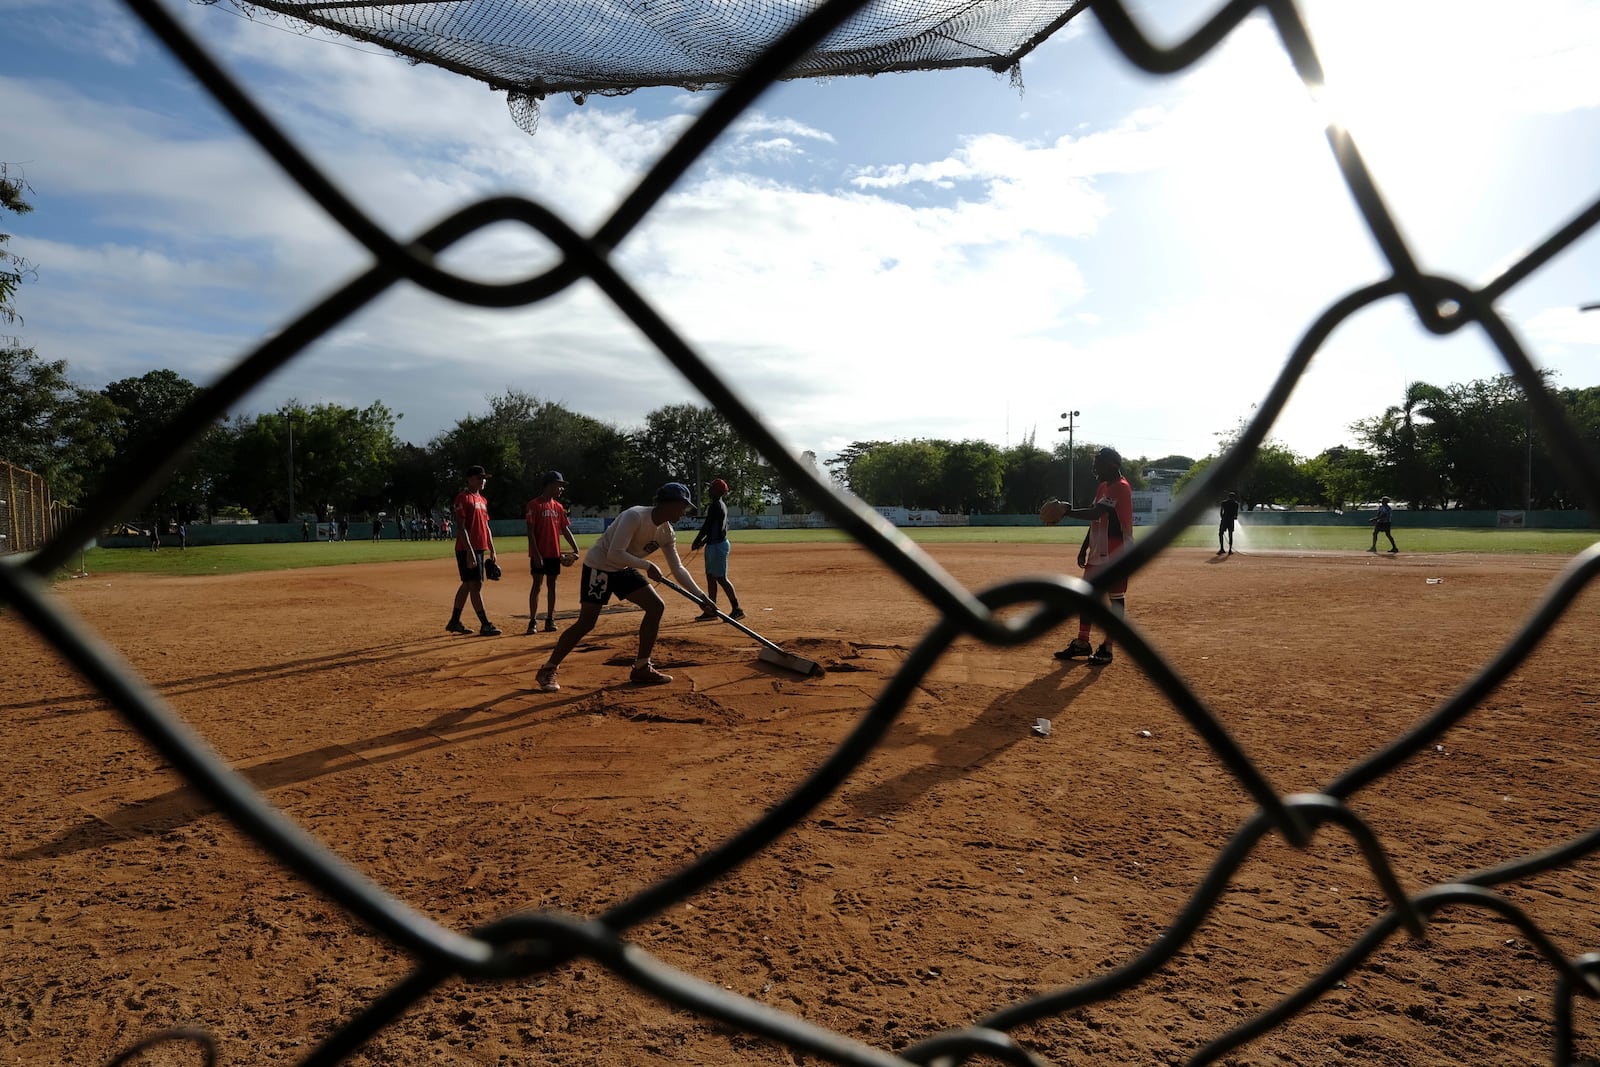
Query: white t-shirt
{"type": "Point", "coordinates": [630, 538]}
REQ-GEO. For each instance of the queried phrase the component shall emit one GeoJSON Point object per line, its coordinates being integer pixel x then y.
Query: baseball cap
{"type": "Point", "coordinates": [553, 476]}
{"type": "Point", "coordinates": [674, 491]}
{"type": "Point", "coordinates": [476, 471]}
{"type": "Point", "coordinates": [718, 485]}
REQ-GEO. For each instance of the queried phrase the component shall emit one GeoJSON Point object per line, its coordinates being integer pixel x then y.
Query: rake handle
{"type": "Point", "coordinates": [735, 623]}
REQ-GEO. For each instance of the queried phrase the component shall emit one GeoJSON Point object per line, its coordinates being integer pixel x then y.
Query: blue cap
{"type": "Point", "coordinates": [674, 491]}
{"type": "Point", "coordinates": [551, 477]}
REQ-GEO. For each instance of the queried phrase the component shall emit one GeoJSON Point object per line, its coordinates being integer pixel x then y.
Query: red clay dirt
{"type": "Point", "coordinates": [968, 863]}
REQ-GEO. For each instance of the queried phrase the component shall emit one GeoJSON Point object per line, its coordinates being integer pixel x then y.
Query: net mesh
{"type": "Point", "coordinates": [574, 46]}
{"type": "Point", "coordinates": [534, 943]}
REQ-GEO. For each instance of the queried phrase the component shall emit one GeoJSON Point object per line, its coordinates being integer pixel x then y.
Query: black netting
{"type": "Point", "coordinates": [536, 47]}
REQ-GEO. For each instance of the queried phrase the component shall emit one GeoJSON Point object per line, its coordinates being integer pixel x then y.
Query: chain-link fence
{"type": "Point", "coordinates": [29, 516]}
{"type": "Point", "coordinates": [535, 942]}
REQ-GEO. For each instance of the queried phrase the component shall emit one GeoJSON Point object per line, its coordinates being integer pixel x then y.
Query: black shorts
{"type": "Point", "coordinates": [470, 566]}
{"type": "Point", "coordinates": [549, 566]}
{"type": "Point", "coordinates": [1225, 526]}
{"type": "Point", "coordinates": [1380, 527]}
{"type": "Point", "coordinates": [599, 586]}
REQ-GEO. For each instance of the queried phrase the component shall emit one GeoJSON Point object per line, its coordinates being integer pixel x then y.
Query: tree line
{"type": "Point", "coordinates": [1469, 445]}
{"type": "Point", "coordinates": [330, 460]}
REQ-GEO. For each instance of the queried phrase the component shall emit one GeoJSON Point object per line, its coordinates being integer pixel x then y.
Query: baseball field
{"type": "Point", "coordinates": [968, 864]}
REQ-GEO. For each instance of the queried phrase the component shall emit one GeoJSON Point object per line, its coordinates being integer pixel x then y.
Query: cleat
{"type": "Point", "coordinates": [454, 626]}
{"type": "Point", "coordinates": [533, 628]}
{"type": "Point", "coordinates": [1078, 647]}
{"type": "Point", "coordinates": [646, 674]}
{"type": "Point", "coordinates": [737, 613]}
{"type": "Point", "coordinates": [706, 616]}
{"type": "Point", "coordinates": [489, 629]}
{"type": "Point", "coordinates": [1393, 550]}
{"type": "Point", "coordinates": [1102, 655]}
{"type": "Point", "coordinates": [549, 626]}
{"type": "Point", "coordinates": [546, 680]}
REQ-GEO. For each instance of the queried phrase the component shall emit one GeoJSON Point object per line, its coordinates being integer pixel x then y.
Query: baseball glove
{"type": "Point", "coordinates": [568, 558]}
{"type": "Point", "coordinates": [491, 570]}
{"type": "Point", "coordinates": [1052, 512]}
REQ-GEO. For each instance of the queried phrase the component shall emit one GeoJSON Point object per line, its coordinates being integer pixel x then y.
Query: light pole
{"type": "Point", "coordinates": [1072, 460]}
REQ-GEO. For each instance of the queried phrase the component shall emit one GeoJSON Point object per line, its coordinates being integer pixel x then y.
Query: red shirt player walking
{"type": "Point", "coordinates": [474, 542]}
{"type": "Point", "coordinates": [1110, 527]}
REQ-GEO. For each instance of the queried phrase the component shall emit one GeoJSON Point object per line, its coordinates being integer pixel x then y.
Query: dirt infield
{"type": "Point", "coordinates": [967, 865]}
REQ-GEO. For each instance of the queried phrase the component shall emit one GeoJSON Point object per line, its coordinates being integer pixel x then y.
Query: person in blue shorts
{"type": "Point", "coordinates": [713, 536]}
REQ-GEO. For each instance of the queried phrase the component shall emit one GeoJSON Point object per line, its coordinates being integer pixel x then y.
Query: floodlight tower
{"type": "Point", "coordinates": [1069, 428]}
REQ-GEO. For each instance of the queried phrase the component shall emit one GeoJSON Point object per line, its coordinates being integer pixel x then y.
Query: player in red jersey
{"type": "Point", "coordinates": [547, 523]}
{"type": "Point", "coordinates": [1110, 527]}
{"type": "Point", "coordinates": [474, 543]}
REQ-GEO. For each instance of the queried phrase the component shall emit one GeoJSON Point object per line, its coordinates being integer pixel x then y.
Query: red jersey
{"type": "Point", "coordinates": [1108, 532]}
{"type": "Point", "coordinates": [472, 521]}
{"type": "Point", "coordinates": [547, 518]}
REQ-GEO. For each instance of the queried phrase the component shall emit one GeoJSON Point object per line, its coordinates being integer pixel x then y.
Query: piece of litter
{"type": "Point", "coordinates": [1041, 727]}
{"type": "Point", "coordinates": [1435, 581]}
{"type": "Point", "coordinates": [1146, 733]}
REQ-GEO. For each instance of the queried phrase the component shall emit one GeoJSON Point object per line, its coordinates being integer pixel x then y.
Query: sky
{"type": "Point", "coordinates": [920, 255]}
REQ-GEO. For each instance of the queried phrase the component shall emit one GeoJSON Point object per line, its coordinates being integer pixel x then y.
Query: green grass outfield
{"type": "Point", "coordinates": [237, 559]}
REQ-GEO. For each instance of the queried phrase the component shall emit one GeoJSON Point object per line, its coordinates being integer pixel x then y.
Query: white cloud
{"type": "Point", "coordinates": [1152, 269]}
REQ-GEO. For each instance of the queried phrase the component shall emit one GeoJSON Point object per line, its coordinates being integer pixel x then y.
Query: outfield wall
{"type": "Point", "coordinates": [280, 532]}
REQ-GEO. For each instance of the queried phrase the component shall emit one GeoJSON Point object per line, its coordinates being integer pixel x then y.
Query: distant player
{"type": "Point", "coordinates": [1230, 515]}
{"type": "Point", "coordinates": [714, 536]}
{"type": "Point", "coordinates": [473, 544]}
{"type": "Point", "coordinates": [1381, 525]}
{"type": "Point", "coordinates": [611, 567]}
{"type": "Point", "coordinates": [1110, 527]}
{"type": "Point", "coordinates": [547, 523]}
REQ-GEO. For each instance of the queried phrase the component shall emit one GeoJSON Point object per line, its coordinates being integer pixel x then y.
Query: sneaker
{"type": "Point", "coordinates": [646, 674]}
{"type": "Point", "coordinates": [1374, 548]}
{"type": "Point", "coordinates": [546, 680]}
{"type": "Point", "coordinates": [706, 616]}
{"type": "Point", "coordinates": [454, 626]}
{"type": "Point", "coordinates": [1078, 647]}
{"type": "Point", "coordinates": [533, 628]}
{"type": "Point", "coordinates": [1394, 550]}
{"type": "Point", "coordinates": [736, 613]}
{"type": "Point", "coordinates": [489, 629]}
{"type": "Point", "coordinates": [549, 626]}
{"type": "Point", "coordinates": [1102, 655]}
{"type": "Point", "coordinates": [1219, 552]}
